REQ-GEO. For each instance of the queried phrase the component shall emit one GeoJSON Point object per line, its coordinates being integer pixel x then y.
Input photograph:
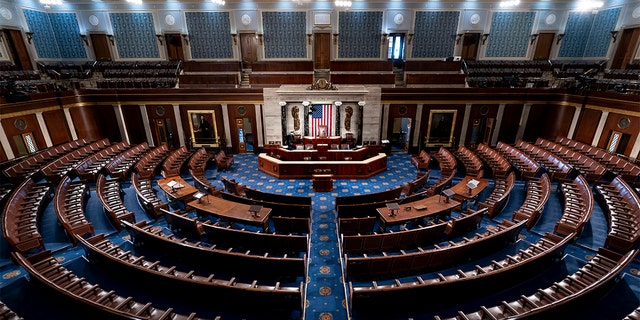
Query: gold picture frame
{"type": "Point", "coordinates": [440, 128]}
{"type": "Point", "coordinates": [202, 124]}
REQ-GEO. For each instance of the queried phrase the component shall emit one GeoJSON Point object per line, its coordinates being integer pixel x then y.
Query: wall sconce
{"type": "Point", "coordinates": [361, 103]}
{"type": "Point", "coordinates": [534, 37]}
{"type": "Point", "coordinates": [559, 38]}
{"type": "Point", "coordinates": [306, 103]}
{"type": "Point", "coordinates": [260, 38]}
{"type": "Point", "coordinates": [282, 103]}
{"type": "Point", "coordinates": [110, 37]}
{"type": "Point", "coordinates": [458, 37]}
{"type": "Point", "coordinates": [614, 35]}
{"type": "Point", "coordinates": [484, 38]}
{"type": "Point", "coordinates": [410, 40]}
{"type": "Point", "coordinates": [235, 38]}
{"type": "Point", "coordinates": [29, 36]}
{"type": "Point", "coordinates": [309, 38]}
{"type": "Point", "coordinates": [185, 37]}
{"type": "Point", "coordinates": [335, 38]}
{"type": "Point", "coordinates": [338, 103]}
{"type": "Point", "coordinates": [384, 38]}
{"type": "Point", "coordinates": [159, 36]}
{"type": "Point", "coordinates": [84, 39]}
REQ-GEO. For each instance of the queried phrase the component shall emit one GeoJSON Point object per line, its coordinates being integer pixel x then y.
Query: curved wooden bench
{"type": "Point", "coordinates": [499, 196]}
{"type": "Point", "coordinates": [446, 161]}
{"type": "Point", "coordinates": [527, 167]}
{"type": "Point", "coordinates": [110, 197]}
{"type": "Point", "coordinates": [578, 206]}
{"type": "Point", "coordinates": [538, 192]}
{"type": "Point", "coordinates": [623, 212]}
{"type": "Point", "coordinates": [7, 314]}
{"type": "Point", "coordinates": [437, 257]}
{"type": "Point", "coordinates": [120, 166]}
{"type": "Point", "coordinates": [175, 161]}
{"type": "Point", "coordinates": [228, 290]}
{"type": "Point", "coordinates": [557, 167]}
{"type": "Point", "coordinates": [491, 277]}
{"type": "Point", "coordinates": [442, 183]}
{"type": "Point", "coordinates": [399, 240]}
{"type": "Point", "coordinates": [45, 269]}
{"type": "Point", "coordinates": [69, 201]}
{"type": "Point", "coordinates": [283, 209]}
{"type": "Point", "coordinates": [499, 165]}
{"type": "Point", "coordinates": [421, 160]}
{"type": "Point", "coordinates": [416, 184]}
{"type": "Point", "coordinates": [598, 274]}
{"type": "Point", "coordinates": [146, 196]}
{"type": "Point", "coordinates": [223, 259]}
{"type": "Point", "coordinates": [472, 164]}
{"type": "Point", "coordinates": [255, 241]}
{"type": "Point", "coordinates": [56, 169]}
{"type": "Point", "coordinates": [21, 213]}
{"type": "Point", "coordinates": [589, 168]}
{"type": "Point", "coordinates": [88, 168]}
{"type": "Point", "coordinates": [150, 161]}
{"type": "Point", "coordinates": [197, 165]}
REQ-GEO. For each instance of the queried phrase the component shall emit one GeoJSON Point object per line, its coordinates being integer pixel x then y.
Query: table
{"type": "Point", "coordinates": [463, 193]}
{"type": "Point", "coordinates": [230, 210]}
{"type": "Point", "coordinates": [427, 207]}
{"type": "Point", "coordinates": [322, 182]}
{"type": "Point", "coordinates": [176, 188]}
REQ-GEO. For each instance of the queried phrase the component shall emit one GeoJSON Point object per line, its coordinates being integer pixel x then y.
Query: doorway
{"type": "Point", "coordinates": [321, 50]}
{"type": "Point", "coordinates": [242, 145]}
{"type": "Point", "coordinates": [396, 49]}
{"type": "Point", "coordinates": [248, 49]}
{"type": "Point", "coordinates": [101, 46]}
{"type": "Point", "coordinates": [543, 46]}
{"type": "Point", "coordinates": [400, 135]}
{"type": "Point", "coordinates": [627, 44]}
{"type": "Point", "coordinates": [174, 46]}
{"type": "Point", "coordinates": [470, 43]}
{"type": "Point", "coordinates": [163, 132]}
{"type": "Point", "coordinates": [18, 49]}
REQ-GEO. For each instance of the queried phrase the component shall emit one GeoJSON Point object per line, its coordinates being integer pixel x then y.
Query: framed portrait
{"type": "Point", "coordinates": [440, 128]}
{"type": "Point", "coordinates": [202, 124]}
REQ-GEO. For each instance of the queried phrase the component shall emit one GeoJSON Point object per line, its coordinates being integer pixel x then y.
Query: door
{"type": "Point", "coordinates": [18, 49]}
{"type": "Point", "coordinates": [627, 44]}
{"type": "Point", "coordinates": [248, 49]}
{"type": "Point", "coordinates": [321, 50]}
{"type": "Point", "coordinates": [174, 46]}
{"type": "Point", "coordinates": [543, 46]}
{"type": "Point", "coordinates": [161, 133]}
{"type": "Point", "coordinates": [400, 134]}
{"type": "Point", "coordinates": [470, 43]}
{"type": "Point", "coordinates": [396, 49]}
{"type": "Point", "coordinates": [101, 46]}
{"type": "Point", "coordinates": [240, 131]}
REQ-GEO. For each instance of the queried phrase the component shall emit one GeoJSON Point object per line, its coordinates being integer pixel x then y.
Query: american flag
{"type": "Point", "coordinates": [321, 114]}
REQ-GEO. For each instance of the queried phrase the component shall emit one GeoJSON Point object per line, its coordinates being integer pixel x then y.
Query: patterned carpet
{"type": "Point", "coordinates": [325, 294]}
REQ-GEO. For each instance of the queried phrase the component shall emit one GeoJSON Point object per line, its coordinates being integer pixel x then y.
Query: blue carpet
{"type": "Point", "coordinates": [325, 290]}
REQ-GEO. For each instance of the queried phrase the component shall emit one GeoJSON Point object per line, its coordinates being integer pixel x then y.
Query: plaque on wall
{"type": "Point", "coordinates": [20, 124]}
{"type": "Point", "coordinates": [160, 111]}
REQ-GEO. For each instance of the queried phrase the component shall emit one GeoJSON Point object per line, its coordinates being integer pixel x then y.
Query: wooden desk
{"type": "Point", "coordinates": [180, 193]}
{"type": "Point", "coordinates": [282, 169]}
{"type": "Point", "coordinates": [234, 211]}
{"type": "Point", "coordinates": [435, 206]}
{"type": "Point", "coordinates": [322, 140]}
{"type": "Point", "coordinates": [322, 182]}
{"type": "Point", "coordinates": [463, 193]}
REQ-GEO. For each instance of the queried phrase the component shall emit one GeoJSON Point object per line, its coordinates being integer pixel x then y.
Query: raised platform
{"type": "Point", "coordinates": [339, 169]}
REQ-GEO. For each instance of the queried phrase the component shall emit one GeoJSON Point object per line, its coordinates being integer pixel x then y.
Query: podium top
{"type": "Point", "coordinates": [448, 192]}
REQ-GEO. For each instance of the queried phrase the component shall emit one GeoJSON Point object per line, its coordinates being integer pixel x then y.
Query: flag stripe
{"type": "Point", "coordinates": [321, 115]}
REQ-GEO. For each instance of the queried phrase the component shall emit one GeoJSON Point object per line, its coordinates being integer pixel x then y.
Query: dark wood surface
{"type": "Point", "coordinates": [305, 169]}
{"type": "Point", "coordinates": [433, 206]}
{"type": "Point", "coordinates": [463, 192]}
{"type": "Point", "coordinates": [181, 194]}
{"type": "Point", "coordinates": [234, 211]}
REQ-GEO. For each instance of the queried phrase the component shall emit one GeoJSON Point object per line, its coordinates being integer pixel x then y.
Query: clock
{"type": "Point", "coordinates": [474, 19]}
{"type": "Point", "coordinates": [624, 123]}
{"type": "Point", "coordinates": [93, 20]}
{"type": "Point", "coordinates": [245, 19]}
{"type": "Point", "coordinates": [170, 20]}
{"type": "Point", "coordinates": [398, 19]}
{"type": "Point", "coordinates": [20, 124]}
{"type": "Point", "coordinates": [551, 19]}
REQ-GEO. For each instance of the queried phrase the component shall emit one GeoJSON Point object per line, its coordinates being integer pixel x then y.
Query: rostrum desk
{"type": "Point", "coordinates": [305, 169]}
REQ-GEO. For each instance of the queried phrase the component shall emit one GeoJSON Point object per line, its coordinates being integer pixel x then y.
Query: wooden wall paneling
{"type": "Point", "coordinates": [481, 115]}
{"type": "Point", "coordinates": [184, 116]}
{"type": "Point", "coordinates": [165, 114]}
{"type": "Point", "coordinates": [548, 121]}
{"type": "Point", "coordinates": [402, 111]}
{"type": "Point", "coordinates": [587, 125]}
{"type": "Point", "coordinates": [3, 155]}
{"type": "Point", "coordinates": [322, 50]}
{"type": "Point", "coordinates": [510, 123]}
{"type": "Point", "coordinates": [57, 126]}
{"type": "Point", "coordinates": [101, 46]}
{"type": "Point", "coordinates": [614, 124]}
{"type": "Point", "coordinates": [14, 127]}
{"type": "Point", "coordinates": [236, 111]}
{"type": "Point", "coordinates": [95, 123]}
{"type": "Point", "coordinates": [134, 123]}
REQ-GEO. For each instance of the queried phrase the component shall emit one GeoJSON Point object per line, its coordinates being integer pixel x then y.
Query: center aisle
{"type": "Point", "coordinates": [325, 292]}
